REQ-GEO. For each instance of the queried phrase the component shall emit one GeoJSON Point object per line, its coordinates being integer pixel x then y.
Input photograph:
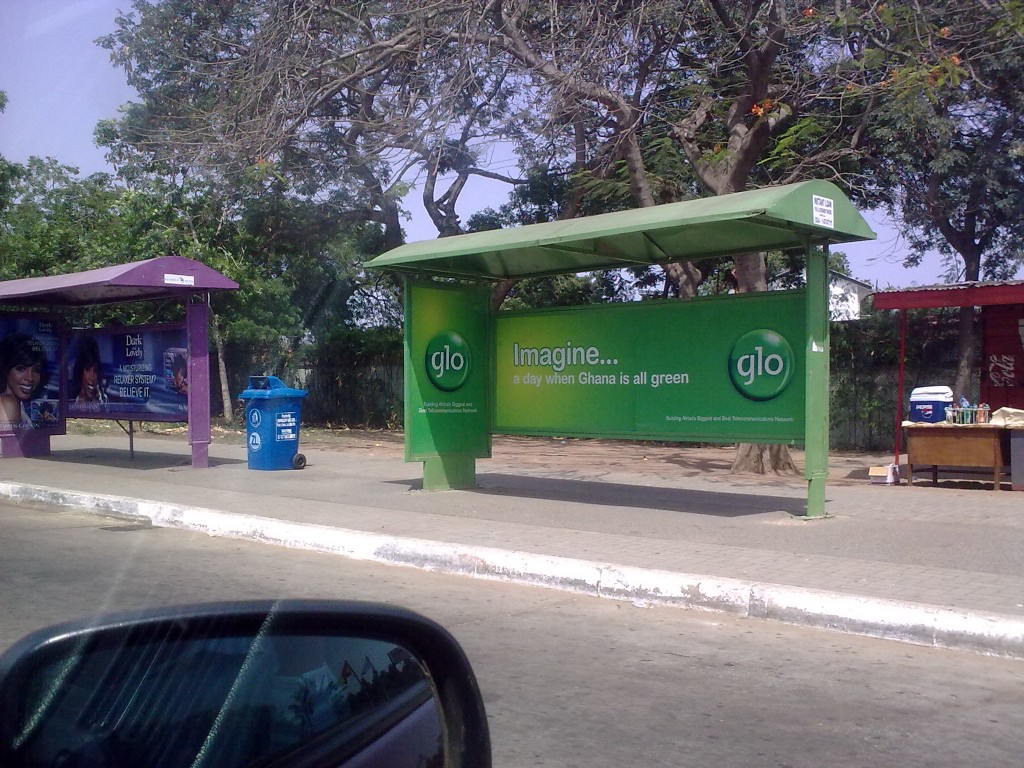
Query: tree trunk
{"type": "Point", "coordinates": [501, 290]}
{"type": "Point", "coordinates": [685, 276]}
{"type": "Point", "coordinates": [966, 347]}
{"type": "Point", "coordinates": [966, 244]}
{"type": "Point", "coordinates": [750, 272]}
{"type": "Point", "coordinates": [970, 244]}
{"type": "Point", "coordinates": [761, 459]}
{"type": "Point", "coordinates": [225, 394]}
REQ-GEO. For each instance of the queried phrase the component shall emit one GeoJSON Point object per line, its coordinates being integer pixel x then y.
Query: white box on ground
{"type": "Point", "coordinates": [888, 474]}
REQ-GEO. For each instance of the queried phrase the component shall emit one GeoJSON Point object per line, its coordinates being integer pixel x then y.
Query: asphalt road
{"type": "Point", "coordinates": [568, 681]}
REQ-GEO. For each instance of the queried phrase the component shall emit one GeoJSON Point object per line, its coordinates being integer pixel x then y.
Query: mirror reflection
{"type": "Point", "coordinates": [276, 699]}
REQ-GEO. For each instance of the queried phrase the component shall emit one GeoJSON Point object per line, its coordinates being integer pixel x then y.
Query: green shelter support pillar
{"type": "Point", "coordinates": [817, 415]}
{"type": "Point", "coordinates": [452, 336]}
{"type": "Point", "coordinates": [447, 380]}
{"type": "Point", "coordinates": [449, 472]}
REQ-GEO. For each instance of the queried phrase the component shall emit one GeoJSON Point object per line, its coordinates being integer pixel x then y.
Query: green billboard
{"type": "Point", "coordinates": [447, 328]}
{"type": "Point", "coordinates": [712, 369]}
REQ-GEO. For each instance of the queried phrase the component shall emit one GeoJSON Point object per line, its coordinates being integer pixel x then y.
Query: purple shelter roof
{"type": "Point", "coordinates": [160, 278]}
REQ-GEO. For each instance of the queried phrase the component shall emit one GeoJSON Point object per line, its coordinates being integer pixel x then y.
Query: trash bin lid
{"type": "Point", "coordinates": [266, 387]}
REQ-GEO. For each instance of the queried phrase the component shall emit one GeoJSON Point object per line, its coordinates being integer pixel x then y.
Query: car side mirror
{"type": "Point", "coordinates": [287, 683]}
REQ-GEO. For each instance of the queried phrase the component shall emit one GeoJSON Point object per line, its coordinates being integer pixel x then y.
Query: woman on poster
{"type": "Point", "coordinates": [22, 378]}
{"type": "Point", "coordinates": [86, 392]}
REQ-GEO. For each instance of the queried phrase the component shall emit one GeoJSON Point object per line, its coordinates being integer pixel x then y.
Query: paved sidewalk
{"type": "Point", "coordinates": [939, 566]}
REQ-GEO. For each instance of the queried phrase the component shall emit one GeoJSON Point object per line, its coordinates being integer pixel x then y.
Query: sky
{"type": "Point", "coordinates": [59, 84]}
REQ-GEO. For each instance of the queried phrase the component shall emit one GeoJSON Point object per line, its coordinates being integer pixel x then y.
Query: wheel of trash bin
{"type": "Point", "coordinates": [298, 461]}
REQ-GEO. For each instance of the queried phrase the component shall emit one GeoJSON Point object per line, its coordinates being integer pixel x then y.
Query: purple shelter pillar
{"type": "Point", "coordinates": [26, 444]}
{"type": "Point", "coordinates": [197, 322]}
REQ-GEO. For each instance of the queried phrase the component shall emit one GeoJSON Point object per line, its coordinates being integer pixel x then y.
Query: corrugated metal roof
{"type": "Point", "coordinates": [969, 294]}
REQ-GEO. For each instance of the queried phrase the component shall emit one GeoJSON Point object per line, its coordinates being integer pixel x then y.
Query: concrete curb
{"type": "Point", "coordinates": [986, 633]}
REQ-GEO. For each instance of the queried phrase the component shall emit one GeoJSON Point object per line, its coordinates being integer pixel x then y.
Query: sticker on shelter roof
{"type": "Point", "coordinates": [824, 211]}
{"type": "Point", "coordinates": [170, 279]}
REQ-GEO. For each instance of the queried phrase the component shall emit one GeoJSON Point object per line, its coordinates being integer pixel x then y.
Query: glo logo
{"type": "Point", "coordinates": [448, 361]}
{"type": "Point", "coordinates": [761, 364]}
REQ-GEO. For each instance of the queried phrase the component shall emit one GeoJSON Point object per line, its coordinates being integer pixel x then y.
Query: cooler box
{"type": "Point", "coordinates": [930, 403]}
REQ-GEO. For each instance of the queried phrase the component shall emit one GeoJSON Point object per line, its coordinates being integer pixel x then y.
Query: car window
{"type": "Point", "coordinates": [222, 702]}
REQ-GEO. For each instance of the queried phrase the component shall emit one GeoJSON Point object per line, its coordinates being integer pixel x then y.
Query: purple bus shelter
{"type": "Point", "coordinates": [168, 277]}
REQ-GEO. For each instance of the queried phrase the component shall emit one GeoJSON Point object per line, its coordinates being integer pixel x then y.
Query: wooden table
{"type": "Point", "coordinates": [972, 446]}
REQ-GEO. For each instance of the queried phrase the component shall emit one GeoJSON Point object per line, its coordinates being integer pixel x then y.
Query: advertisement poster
{"type": "Point", "coordinates": [1002, 375]}
{"type": "Point", "coordinates": [709, 369]}
{"type": "Point", "coordinates": [446, 370]}
{"type": "Point", "coordinates": [136, 373]}
{"type": "Point", "coordinates": [29, 378]}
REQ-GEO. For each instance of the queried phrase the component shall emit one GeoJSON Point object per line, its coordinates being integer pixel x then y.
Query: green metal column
{"type": "Point", "coordinates": [449, 472]}
{"type": "Point", "coordinates": [816, 423]}
{"type": "Point", "coordinates": [447, 355]}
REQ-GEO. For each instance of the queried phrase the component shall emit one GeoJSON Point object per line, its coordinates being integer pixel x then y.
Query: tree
{"type": "Point", "coordinates": [722, 96]}
{"type": "Point", "coordinates": [948, 142]}
{"type": "Point", "coordinates": [542, 197]}
{"type": "Point", "coordinates": [341, 101]}
{"type": "Point", "coordinates": [276, 248]}
{"type": "Point", "coordinates": [749, 93]}
{"type": "Point", "coordinates": [673, 98]}
{"type": "Point", "coordinates": [9, 171]}
{"type": "Point", "coordinates": [637, 101]}
{"type": "Point", "coordinates": [57, 222]}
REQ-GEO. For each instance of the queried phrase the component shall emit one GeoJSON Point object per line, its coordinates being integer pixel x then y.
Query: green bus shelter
{"type": "Point", "coordinates": [740, 368]}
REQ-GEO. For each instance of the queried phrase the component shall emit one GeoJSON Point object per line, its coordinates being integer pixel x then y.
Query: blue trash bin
{"type": "Point", "coordinates": [272, 415]}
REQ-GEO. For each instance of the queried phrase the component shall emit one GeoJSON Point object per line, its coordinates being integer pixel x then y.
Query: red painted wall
{"type": "Point", "coordinates": [1002, 366]}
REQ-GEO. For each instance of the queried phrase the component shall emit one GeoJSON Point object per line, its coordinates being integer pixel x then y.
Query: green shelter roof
{"type": "Point", "coordinates": [774, 218]}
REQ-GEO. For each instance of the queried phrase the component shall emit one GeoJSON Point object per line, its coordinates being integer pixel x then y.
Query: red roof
{"type": "Point", "coordinates": [978, 294]}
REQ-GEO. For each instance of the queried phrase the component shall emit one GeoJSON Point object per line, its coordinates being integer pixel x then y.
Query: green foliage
{"type": "Point", "coordinates": [542, 198]}
{"type": "Point", "coordinates": [947, 136]}
{"type": "Point", "coordinates": [792, 143]}
{"type": "Point", "coordinates": [556, 291]}
{"type": "Point", "coordinates": [271, 139]}
{"type": "Point", "coordinates": [55, 218]}
{"type": "Point", "coordinates": [670, 176]}
{"type": "Point", "coordinates": [294, 268]}
{"type": "Point", "coordinates": [874, 340]}
{"type": "Point", "coordinates": [9, 172]}
{"type": "Point", "coordinates": [354, 377]}
{"type": "Point", "coordinates": [351, 347]}
{"type": "Point", "coordinates": [865, 365]}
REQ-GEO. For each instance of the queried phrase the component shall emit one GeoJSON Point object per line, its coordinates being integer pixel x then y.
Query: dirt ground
{"type": "Point", "coordinates": [665, 460]}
